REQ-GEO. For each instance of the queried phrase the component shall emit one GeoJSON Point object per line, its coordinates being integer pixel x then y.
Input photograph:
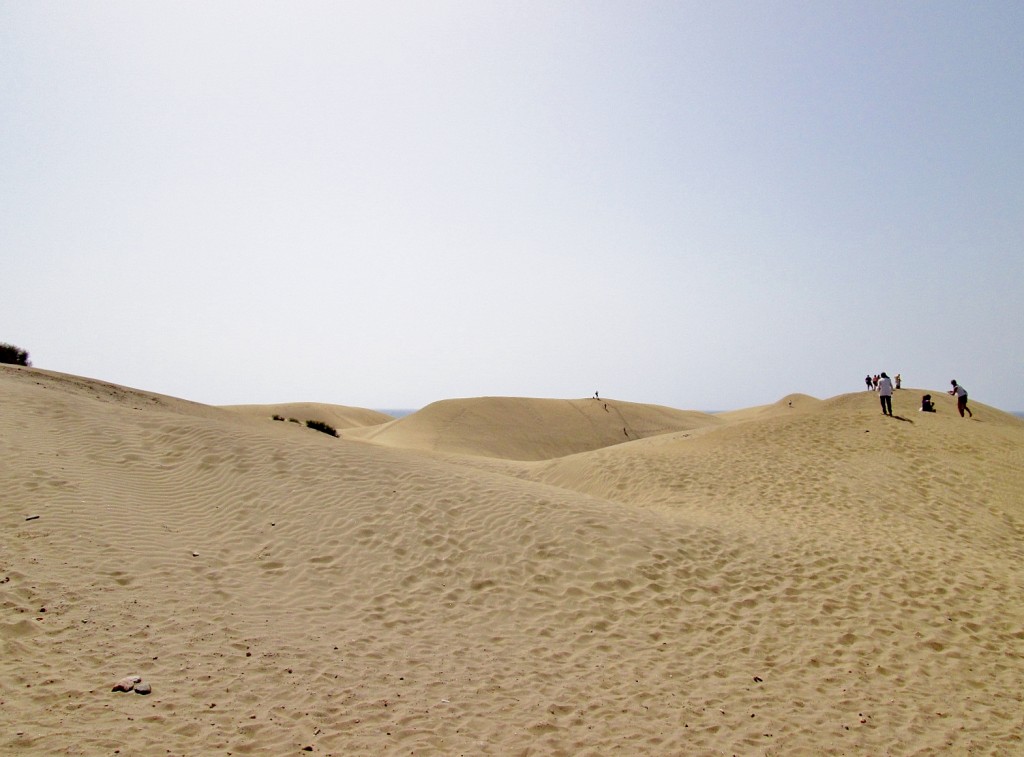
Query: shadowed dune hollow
{"type": "Point", "coordinates": [507, 576]}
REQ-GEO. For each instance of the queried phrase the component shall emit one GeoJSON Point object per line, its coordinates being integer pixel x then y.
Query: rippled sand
{"type": "Point", "coordinates": [507, 576]}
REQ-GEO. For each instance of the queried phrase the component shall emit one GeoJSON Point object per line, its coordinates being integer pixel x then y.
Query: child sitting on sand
{"type": "Point", "coordinates": [927, 406]}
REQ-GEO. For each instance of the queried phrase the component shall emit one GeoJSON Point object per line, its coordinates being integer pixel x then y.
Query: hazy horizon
{"type": "Point", "coordinates": [387, 204]}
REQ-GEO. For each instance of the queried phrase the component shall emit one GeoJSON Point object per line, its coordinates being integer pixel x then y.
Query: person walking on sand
{"type": "Point", "coordinates": [885, 394]}
{"type": "Point", "coordinates": [961, 398]}
{"type": "Point", "coordinates": [867, 380]}
{"type": "Point", "coordinates": [898, 380]}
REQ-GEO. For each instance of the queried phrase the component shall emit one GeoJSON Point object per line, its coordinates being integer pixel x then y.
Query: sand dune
{"type": "Point", "coordinates": [519, 428]}
{"type": "Point", "coordinates": [818, 579]}
{"type": "Point", "coordinates": [786, 406]}
{"type": "Point", "coordinates": [338, 416]}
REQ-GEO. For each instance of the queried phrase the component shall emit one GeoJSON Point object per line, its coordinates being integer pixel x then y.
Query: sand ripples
{"type": "Point", "coordinates": [822, 583]}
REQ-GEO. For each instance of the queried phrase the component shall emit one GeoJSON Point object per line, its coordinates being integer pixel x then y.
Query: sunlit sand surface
{"type": "Point", "coordinates": [508, 576]}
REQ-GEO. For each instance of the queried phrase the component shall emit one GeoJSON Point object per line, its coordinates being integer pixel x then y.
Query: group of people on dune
{"type": "Point", "coordinates": [885, 387]}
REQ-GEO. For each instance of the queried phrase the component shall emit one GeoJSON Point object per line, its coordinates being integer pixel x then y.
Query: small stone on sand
{"type": "Point", "coordinates": [127, 683]}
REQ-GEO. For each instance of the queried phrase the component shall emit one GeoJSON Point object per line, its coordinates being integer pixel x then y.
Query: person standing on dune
{"type": "Point", "coordinates": [961, 398]}
{"type": "Point", "coordinates": [885, 394]}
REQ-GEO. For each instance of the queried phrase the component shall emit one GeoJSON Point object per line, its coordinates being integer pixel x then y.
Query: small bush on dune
{"type": "Point", "coordinates": [13, 355]}
{"type": "Point", "coordinates": [277, 417]}
{"type": "Point", "coordinates": [321, 426]}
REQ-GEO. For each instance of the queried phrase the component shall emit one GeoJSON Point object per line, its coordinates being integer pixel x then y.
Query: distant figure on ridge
{"type": "Point", "coordinates": [898, 379]}
{"type": "Point", "coordinates": [961, 398]}
{"type": "Point", "coordinates": [867, 380]}
{"type": "Point", "coordinates": [885, 394]}
{"type": "Point", "coordinates": [927, 406]}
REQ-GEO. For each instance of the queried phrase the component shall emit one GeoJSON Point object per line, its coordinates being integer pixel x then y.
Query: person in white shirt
{"type": "Point", "coordinates": [961, 398]}
{"type": "Point", "coordinates": [885, 394]}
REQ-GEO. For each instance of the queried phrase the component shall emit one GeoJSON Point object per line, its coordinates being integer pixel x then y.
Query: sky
{"type": "Point", "coordinates": [707, 206]}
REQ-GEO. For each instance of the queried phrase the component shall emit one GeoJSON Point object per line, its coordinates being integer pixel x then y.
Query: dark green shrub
{"type": "Point", "coordinates": [321, 426]}
{"type": "Point", "coordinates": [277, 417]}
{"type": "Point", "coordinates": [13, 355]}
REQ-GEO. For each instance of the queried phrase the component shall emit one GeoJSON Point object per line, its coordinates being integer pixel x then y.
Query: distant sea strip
{"type": "Point", "coordinates": [401, 413]}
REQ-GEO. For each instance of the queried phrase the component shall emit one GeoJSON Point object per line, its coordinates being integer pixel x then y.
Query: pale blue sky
{"type": "Point", "coordinates": [382, 204]}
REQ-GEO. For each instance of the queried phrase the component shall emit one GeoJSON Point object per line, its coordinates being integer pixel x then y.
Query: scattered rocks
{"type": "Point", "coordinates": [127, 683]}
{"type": "Point", "coordinates": [133, 683]}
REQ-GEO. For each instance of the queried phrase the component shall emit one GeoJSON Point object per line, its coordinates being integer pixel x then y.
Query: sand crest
{"type": "Point", "coordinates": [338, 416]}
{"type": "Point", "coordinates": [519, 428]}
{"type": "Point", "coordinates": [805, 579]}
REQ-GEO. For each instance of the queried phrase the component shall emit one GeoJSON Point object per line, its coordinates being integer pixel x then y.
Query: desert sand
{"type": "Point", "coordinates": [507, 576]}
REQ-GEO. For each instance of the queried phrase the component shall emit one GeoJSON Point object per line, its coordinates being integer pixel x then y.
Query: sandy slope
{"type": "Point", "coordinates": [518, 428]}
{"type": "Point", "coordinates": [809, 580]}
{"type": "Point", "coordinates": [338, 416]}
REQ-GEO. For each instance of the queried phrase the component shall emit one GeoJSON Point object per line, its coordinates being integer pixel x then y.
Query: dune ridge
{"type": "Point", "coordinates": [337, 416]}
{"type": "Point", "coordinates": [809, 580]}
{"type": "Point", "coordinates": [530, 428]}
